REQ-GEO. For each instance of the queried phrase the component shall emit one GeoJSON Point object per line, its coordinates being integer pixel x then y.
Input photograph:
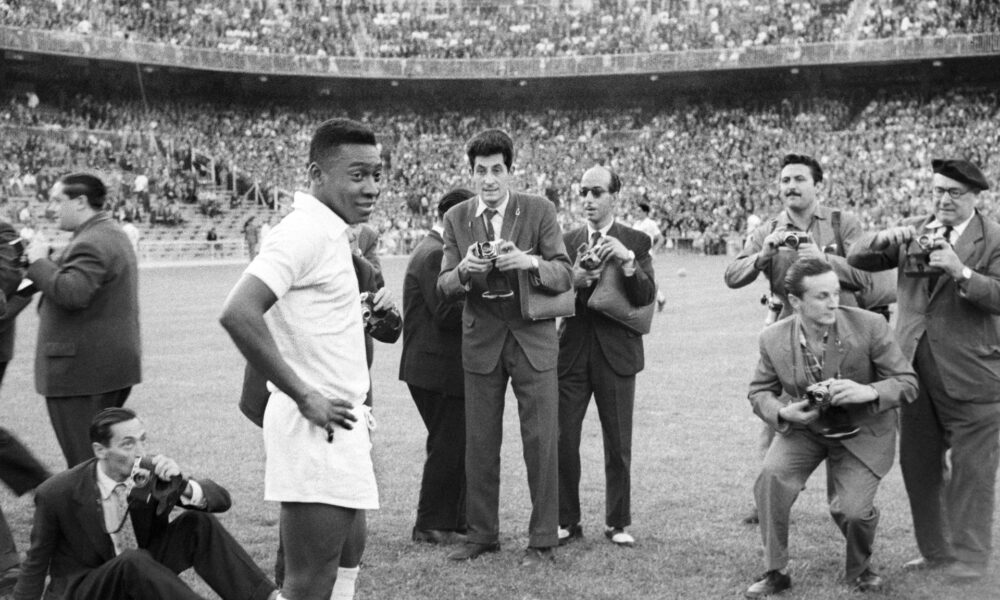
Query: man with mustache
{"type": "Point", "coordinates": [766, 250]}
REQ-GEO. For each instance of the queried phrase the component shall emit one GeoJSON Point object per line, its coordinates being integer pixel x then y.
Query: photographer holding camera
{"type": "Point", "coordinates": [863, 372]}
{"type": "Point", "coordinates": [805, 229]}
{"type": "Point", "coordinates": [130, 548]}
{"type": "Point", "coordinates": [948, 325]}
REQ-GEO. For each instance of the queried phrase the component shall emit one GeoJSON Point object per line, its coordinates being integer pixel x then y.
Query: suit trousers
{"type": "Point", "coordinates": [21, 472]}
{"type": "Point", "coordinates": [193, 539]}
{"type": "Point", "coordinates": [952, 518]}
{"type": "Point", "coordinates": [537, 395]}
{"type": "Point", "coordinates": [442, 487]}
{"type": "Point", "coordinates": [851, 488]}
{"type": "Point", "coordinates": [615, 399]}
{"type": "Point", "coordinates": [71, 416]}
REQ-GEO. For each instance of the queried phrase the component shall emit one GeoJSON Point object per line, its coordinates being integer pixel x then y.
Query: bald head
{"type": "Point", "coordinates": [598, 189]}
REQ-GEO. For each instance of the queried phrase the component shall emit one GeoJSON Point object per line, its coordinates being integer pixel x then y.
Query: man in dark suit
{"type": "Point", "coordinates": [100, 536]}
{"type": "Point", "coordinates": [851, 351]}
{"type": "Point", "coordinates": [19, 469]}
{"type": "Point", "coordinates": [949, 299]}
{"type": "Point", "coordinates": [88, 353]}
{"type": "Point", "coordinates": [431, 366]}
{"type": "Point", "coordinates": [498, 343]}
{"type": "Point", "coordinates": [599, 356]}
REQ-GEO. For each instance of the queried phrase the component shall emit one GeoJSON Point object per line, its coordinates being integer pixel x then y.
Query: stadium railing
{"type": "Point", "coordinates": [866, 51]}
{"type": "Point", "coordinates": [177, 251]}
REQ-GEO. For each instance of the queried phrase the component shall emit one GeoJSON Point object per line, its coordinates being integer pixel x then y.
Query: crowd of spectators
{"type": "Point", "coordinates": [446, 30]}
{"type": "Point", "coordinates": [702, 168]}
{"type": "Point", "coordinates": [930, 18]}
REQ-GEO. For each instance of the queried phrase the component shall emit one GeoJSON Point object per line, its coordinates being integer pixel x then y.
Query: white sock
{"type": "Point", "coordinates": [343, 588]}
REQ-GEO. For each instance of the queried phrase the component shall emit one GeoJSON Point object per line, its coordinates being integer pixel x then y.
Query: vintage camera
{"type": "Point", "coordinates": [818, 395]}
{"type": "Point", "coordinates": [774, 307]}
{"type": "Point", "coordinates": [143, 485]}
{"type": "Point", "coordinates": [488, 250]}
{"type": "Point", "coordinates": [918, 255]}
{"type": "Point", "coordinates": [20, 259]}
{"type": "Point", "coordinates": [794, 239]}
{"type": "Point", "coordinates": [383, 325]}
{"type": "Point", "coordinates": [590, 259]}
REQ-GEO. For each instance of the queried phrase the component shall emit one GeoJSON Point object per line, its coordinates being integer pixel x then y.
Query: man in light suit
{"type": "Point", "coordinates": [498, 343]}
{"type": "Point", "coordinates": [431, 366]}
{"type": "Point", "coordinates": [88, 353]}
{"type": "Point", "coordinates": [853, 352]}
{"type": "Point", "coordinates": [600, 357]}
{"type": "Point", "coordinates": [948, 325]}
{"type": "Point", "coordinates": [98, 538]}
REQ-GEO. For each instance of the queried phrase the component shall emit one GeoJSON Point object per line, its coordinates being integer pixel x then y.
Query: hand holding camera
{"type": "Point", "coordinates": [381, 319]}
{"type": "Point", "coordinates": [474, 261]}
{"type": "Point", "coordinates": [38, 248]}
{"type": "Point", "coordinates": [846, 391]}
{"type": "Point", "coordinates": [512, 258]}
{"type": "Point", "coordinates": [158, 479]}
{"type": "Point", "coordinates": [894, 236]}
{"type": "Point", "coordinates": [798, 412]}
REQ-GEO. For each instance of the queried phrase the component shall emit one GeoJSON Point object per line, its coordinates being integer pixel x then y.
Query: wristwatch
{"type": "Point", "coordinates": [631, 257]}
{"type": "Point", "coordinates": [966, 274]}
{"type": "Point", "coordinates": [534, 263]}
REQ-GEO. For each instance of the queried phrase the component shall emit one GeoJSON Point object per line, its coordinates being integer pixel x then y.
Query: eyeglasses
{"type": "Point", "coordinates": [953, 192]}
{"type": "Point", "coordinates": [597, 192]}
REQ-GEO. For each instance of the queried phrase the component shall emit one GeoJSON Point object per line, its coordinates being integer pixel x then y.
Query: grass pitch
{"type": "Point", "coordinates": [694, 458]}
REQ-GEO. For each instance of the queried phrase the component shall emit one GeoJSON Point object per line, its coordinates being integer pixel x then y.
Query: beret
{"type": "Point", "coordinates": [962, 171]}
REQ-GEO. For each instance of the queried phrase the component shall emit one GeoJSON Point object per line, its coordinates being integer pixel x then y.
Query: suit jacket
{"type": "Point", "coordinates": [88, 331]}
{"type": "Point", "coordinates": [863, 350]}
{"type": "Point", "coordinates": [10, 278]}
{"type": "Point", "coordinates": [621, 346]}
{"type": "Point", "coordinates": [529, 222]}
{"type": "Point", "coordinates": [962, 322]}
{"type": "Point", "coordinates": [432, 328]}
{"type": "Point", "coordinates": [68, 538]}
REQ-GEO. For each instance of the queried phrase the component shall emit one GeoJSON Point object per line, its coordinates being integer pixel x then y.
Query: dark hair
{"type": "Point", "coordinates": [452, 198]}
{"type": "Point", "coordinates": [800, 269]}
{"type": "Point", "coordinates": [85, 184]}
{"type": "Point", "coordinates": [804, 159]}
{"type": "Point", "coordinates": [338, 132]}
{"type": "Point", "coordinates": [488, 143]}
{"type": "Point", "coordinates": [644, 207]}
{"type": "Point", "coordinates": [100, 426]}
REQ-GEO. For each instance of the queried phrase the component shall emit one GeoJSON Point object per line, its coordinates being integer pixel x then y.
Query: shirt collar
{"type": "Point", "coordinates": [818, 215]}
{"type": "Point", "coordinates": [603, 230]}
{"type": "Point", "coordinates": [321, 213]}
{"type": "Point", "coordinates": [438, 228]}
{"type": "Point", "coordinates": [105, 484]}
{"type": "Point", "coordinates": [957, 230]}
{"type": "Point", "coordinates": [501, 208]}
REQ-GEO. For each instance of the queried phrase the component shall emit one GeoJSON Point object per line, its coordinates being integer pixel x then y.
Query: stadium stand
{"type": "Point", "coordinates": [703, 168]}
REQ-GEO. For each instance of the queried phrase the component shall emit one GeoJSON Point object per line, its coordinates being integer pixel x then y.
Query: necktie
{"type": "Point", "coordinates": [595, 238]}
{"type": "Point", "coordinates": [490, 213]}
{"type": "Point", "coordinates": [933, 279]}
{"type": "Point", "coordinates": [125, 534]}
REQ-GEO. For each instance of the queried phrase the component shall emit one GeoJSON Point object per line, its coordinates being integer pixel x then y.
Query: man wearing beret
{"type": "Point", "coordinates": [949, 326]}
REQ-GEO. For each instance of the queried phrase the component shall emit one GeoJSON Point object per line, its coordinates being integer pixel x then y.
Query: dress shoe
{"type": "Point", "coordinates": [925, 564]}
{"type": "Point", "coordinates": [962, 572]}
{"type": "Point", "coordinates": [619, 537]}
{"type": "Point", "coordinates": [471, 550]}
{"type": "Point", "coordinates": [438, 536]}
{"type": "Point", "coordinates": [752, 518]}
{"type": "Point", "coordinates": [569, 533]}
{"type": "Point", "coordinates": [535, 557]}
{"type": "Point", "coordinates": [8, 579]}
{"type": "Point", "coordinates": [869, 581]}
{"type": "Point", "coordinates": [772, 582]}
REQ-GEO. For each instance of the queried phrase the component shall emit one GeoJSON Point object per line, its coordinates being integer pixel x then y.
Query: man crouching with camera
{"type": "Point", "coordinates": [864, 377]}
{"type": "Point", "coordinates": [128, 547]}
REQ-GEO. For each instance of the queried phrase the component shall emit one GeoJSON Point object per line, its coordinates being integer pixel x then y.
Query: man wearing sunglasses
{"type": "Point", "coordinates": [600, 357]}
{"type": "Point", "coordinates": [949, 299]}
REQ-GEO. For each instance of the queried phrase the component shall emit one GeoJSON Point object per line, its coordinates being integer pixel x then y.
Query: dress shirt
{"type": "Point", "coordinates": [497, 219]}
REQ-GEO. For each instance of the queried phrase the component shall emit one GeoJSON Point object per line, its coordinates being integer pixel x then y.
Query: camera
{"type": "Point", "coordinates": [590, 259]}
{"type": "Point", "coordinates": [144, 486]}
{"type": "Point", "coordinates": [774, 306]}
{"type": "Point", "coordinates": [794, 239]}
{"type": "Point", "coordinates": [383, 325]}
{"type": "Point", "coordinates": [818, 395]}
{"type": "Point", "coordinates": [488, 250]}
{"type": "Point", "coordinates": [918, 255]}
{"type": "Point", "coordinates": [20, 258]}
